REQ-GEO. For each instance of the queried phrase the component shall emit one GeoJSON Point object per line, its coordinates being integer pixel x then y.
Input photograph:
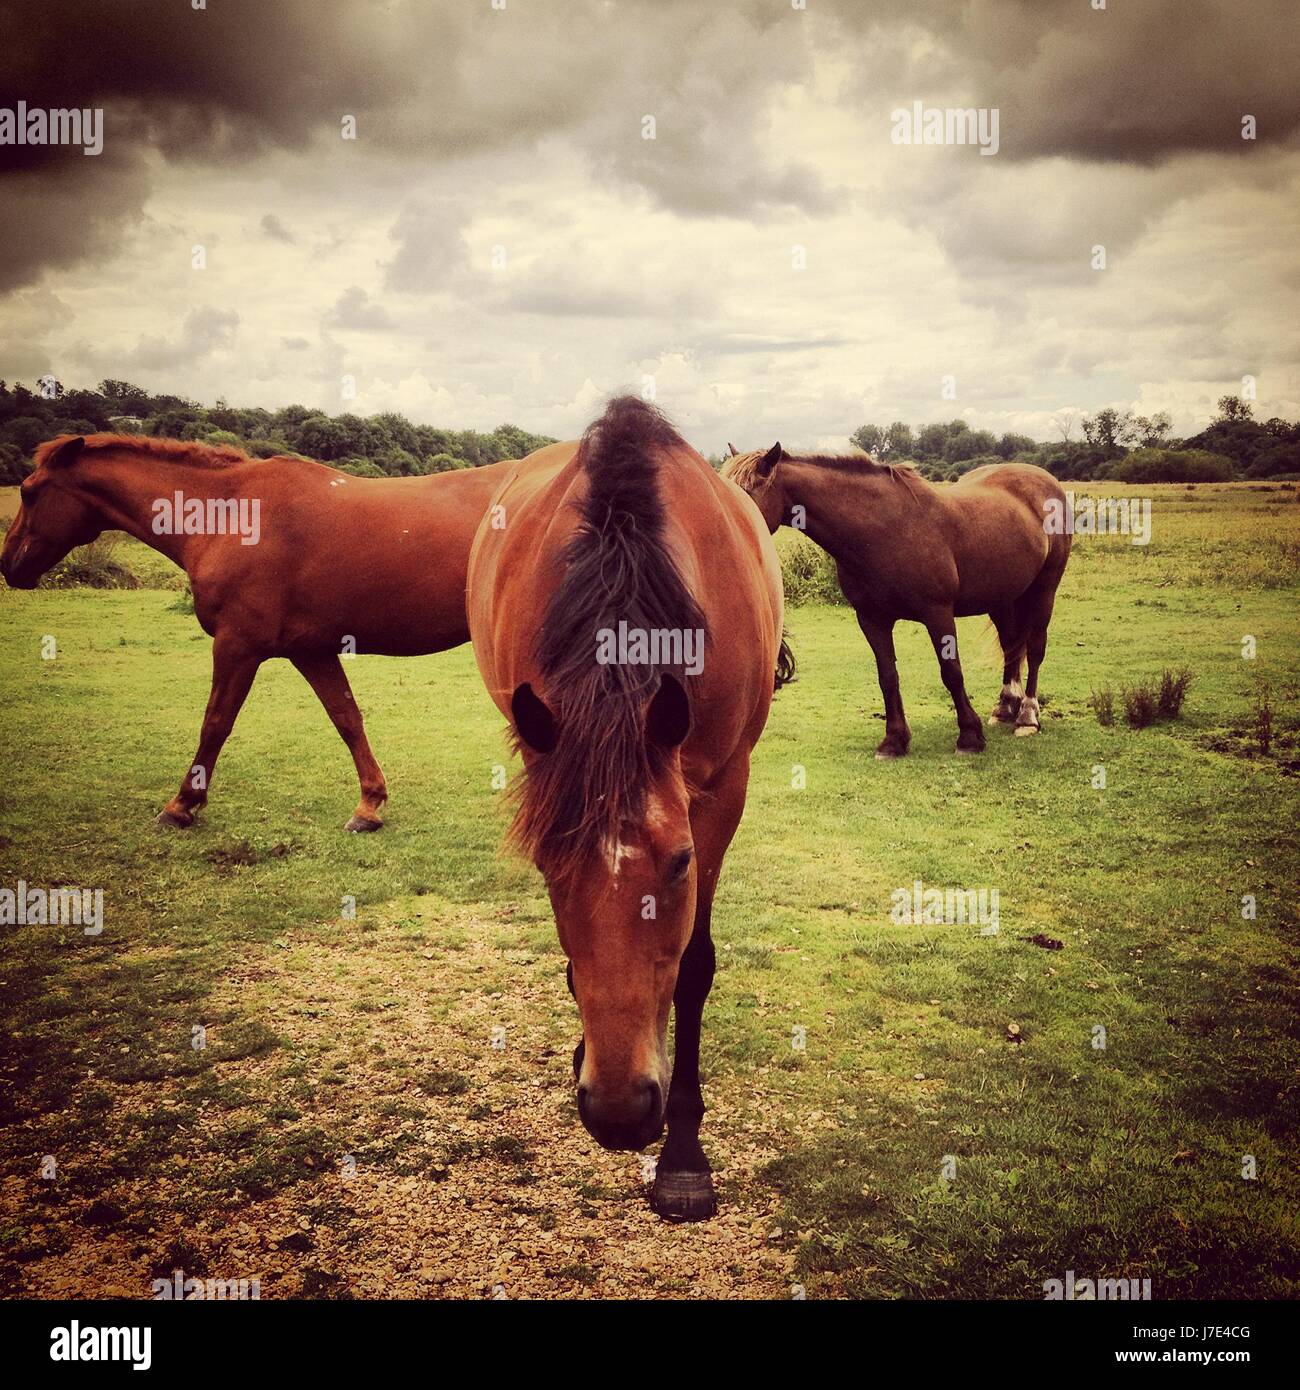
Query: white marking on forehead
{"type": "Point", "coordinates": [616, 852]}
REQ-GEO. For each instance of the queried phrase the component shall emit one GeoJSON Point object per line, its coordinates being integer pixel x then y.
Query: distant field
{"type": "Point", "coordinates": [349, 1130]}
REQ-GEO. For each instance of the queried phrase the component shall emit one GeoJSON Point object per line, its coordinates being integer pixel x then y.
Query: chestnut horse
{"type": "Point", "coordinates": [285, 557]}
{"type": "Point", "coordinates": [905, 549]}
{"type": "Point", "coordinates": [625, 606]}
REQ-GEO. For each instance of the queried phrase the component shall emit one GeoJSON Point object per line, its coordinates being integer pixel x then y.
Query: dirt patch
{"type": "Point", "coordinates": [411, 1134]}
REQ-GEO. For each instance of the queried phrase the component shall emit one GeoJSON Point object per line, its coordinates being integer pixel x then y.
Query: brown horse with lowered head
{"type": "Point", "coordinates": [625, 605]}
{"type": "Point", "coordinates": [906, 549]}
{"type": "Point", "coordinates": [285, 557]}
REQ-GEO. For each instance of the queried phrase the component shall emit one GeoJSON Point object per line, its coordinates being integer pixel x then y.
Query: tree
{"type": "Point", "coordinates": [930, 441]}
{"type": "Point", "coordinates": [1012, 444]}
{"type": "Point", "coordinates": [1064, 422]}
{"type": "Point", "coordinates": [124, 394]}
{"type": "Point", "coordinates": [319, 437]}
{"type": "Point", "coordinates": [1171, 466]}
{"type": "Point", "coordinates": [13, 468]}
{"type": "Point", "coordinates": [1147, 432]}
{"type": "Point", "coordinates": [1233, 408]}
{"type": "Point", "coordinates": [869, 438]}
{"type": "Point", "coordinates": [1104, 430]}
{"type": "Point", "coordinates": [967, 443]}
{"type": "Point", "coordinates": [899, 443]}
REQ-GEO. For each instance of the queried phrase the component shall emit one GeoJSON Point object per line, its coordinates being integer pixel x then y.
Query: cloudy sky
{"type": "Point", "coordinates": [500, 242]}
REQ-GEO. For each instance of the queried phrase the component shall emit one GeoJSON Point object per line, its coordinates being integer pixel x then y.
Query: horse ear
{"type": "Point", "coordinates": [534, 723]}
{"type": "Point", "coordinates": [769, 460]}
{"type": "Point", "coordinates": [732, 447]}
{"type": "Point", "coordinates": [67, 452]}
{"type": "Point", "coordinates": [668, 718]}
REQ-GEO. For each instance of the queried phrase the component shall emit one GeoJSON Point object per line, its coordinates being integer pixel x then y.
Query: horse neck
{"type": "Point", "coordinates": [822, 493]}
{"type": "Point", "coordinates": [125, 483]}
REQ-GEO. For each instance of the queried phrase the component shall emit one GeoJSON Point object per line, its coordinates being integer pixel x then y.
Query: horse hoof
{"type": "Point", "coordinates": [169, 821]}
{"type": "Point", "coordinates": [885, 753]}
{"type": "Point", "coordinates": [684, 1196]}
{"type": "Point", "coordinates": [1024, 730]}
{"type": "Point", "coordinates": [363, 825]}
{"type": "Point", "coordinates": [970, 751]}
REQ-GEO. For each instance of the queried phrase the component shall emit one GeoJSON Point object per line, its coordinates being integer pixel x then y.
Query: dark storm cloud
{"type": "Point", "coordinates": [240, 79]}
{"type": "Point", "coordinates": [1133, 83]}
{"type": "Point", "coordinates": [57, 214]}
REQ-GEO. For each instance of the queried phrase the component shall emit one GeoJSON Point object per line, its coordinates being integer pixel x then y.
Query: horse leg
{"type": "Point", "coordinates": [1010, 635]}
{"type": "Point", "coordinates": [1038, 614]}
{"type": "Point", "coordinates": [683, 1188]}
{"type": "Point", "coordinates": [942, 628]}
{"type": "Point", "coordinates": [324, 673]}
{"type": "Point", "coordinates": [897, 735]}
{"type": "Point", "coordinates": [233, 670]}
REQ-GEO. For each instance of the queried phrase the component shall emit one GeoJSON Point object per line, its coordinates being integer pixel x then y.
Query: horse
{"type": "Point", "coordinates": [625, 606]}
{"type": "Point", "coordinates": [907, 550]}
{"type": "Point", "coordinates": [285, 557]}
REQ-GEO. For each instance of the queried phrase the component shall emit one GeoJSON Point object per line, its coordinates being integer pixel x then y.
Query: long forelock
{"type": "Point", "coordinates": [576, 798]}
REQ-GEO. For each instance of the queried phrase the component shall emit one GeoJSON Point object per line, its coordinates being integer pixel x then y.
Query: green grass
{"type": "Point", "coordinates": [1119, 1162]}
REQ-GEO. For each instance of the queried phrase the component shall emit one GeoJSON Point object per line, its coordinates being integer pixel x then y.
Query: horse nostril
{"type": "Point", "coordinates": [653, 1100]}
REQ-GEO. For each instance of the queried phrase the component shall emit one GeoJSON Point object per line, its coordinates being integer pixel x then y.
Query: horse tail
{"type": "Point", "coordinates": [785, 664]}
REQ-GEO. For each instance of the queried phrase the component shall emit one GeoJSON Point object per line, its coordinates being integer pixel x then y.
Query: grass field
{"type": "Point", "coordinates": [383, 1104]}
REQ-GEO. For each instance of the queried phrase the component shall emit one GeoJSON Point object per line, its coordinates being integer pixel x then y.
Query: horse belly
{"type": "Point", "coordinates": [380, 614]}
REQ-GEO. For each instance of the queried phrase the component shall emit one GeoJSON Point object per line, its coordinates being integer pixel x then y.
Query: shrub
{"type": "Point", "coordinates": [1102, 704]}
{"type": "Point", "coordinates": [1173, 690]}
{"type": "Point", "coordinates": [1172, 466]}
{"type": "Point", "coordinates": [1148, 700]}
{"type": "Point", "coordinates": [807, 571]}
{"type": "Point", "coordinates": [359, 468]}
{"type": "Point", "coordinates": [92, 567]}
{"type": "Point", "coordinates": [1140, 704]}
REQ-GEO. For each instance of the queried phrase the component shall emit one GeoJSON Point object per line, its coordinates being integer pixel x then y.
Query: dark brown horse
{"type": "Point", "coordinates": [285, 557]}
{"type": "Point", "coordinates": [625, 605]}
{"type": "Point", "coordinates": [905, 549]}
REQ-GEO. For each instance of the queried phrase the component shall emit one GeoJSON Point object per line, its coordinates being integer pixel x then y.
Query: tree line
{"type": "Point", "coordinates": [375, 446]}
{"type": "Point", "coordinates": [1126, 447]}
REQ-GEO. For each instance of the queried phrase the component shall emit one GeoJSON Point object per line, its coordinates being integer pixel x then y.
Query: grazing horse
{"type": "Point", "coordinates": [625, 605]}
{"type": "Point", "coordinates": [285, 557]}
{"type": "Point", "coordinates": [905, 549]}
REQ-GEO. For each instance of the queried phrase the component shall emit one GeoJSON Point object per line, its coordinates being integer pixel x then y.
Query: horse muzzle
{"type": "Point", "coordinates": [624, 1119]}
{"type": "Point", "coordinates": [11, 568]}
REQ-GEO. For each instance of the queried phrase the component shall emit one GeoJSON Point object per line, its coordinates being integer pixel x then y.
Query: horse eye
{"type": "Point", "coordinates": [679, 865]}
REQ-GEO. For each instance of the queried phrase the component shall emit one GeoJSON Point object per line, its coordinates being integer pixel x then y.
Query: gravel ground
{"type": "Point", "coordinates": [469, 1175]}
